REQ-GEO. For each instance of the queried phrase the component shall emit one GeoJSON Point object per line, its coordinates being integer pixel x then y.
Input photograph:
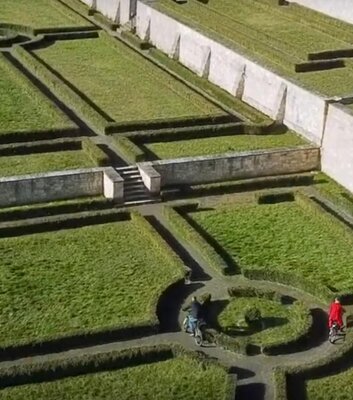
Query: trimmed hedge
{"type": "Point", "coordinates": [183, 229]}
{"type": "Point", "coordinates": [129, 149]}
{"type": "Point", "coordinates": [319, 65]}
{"type": "Point", "coordinates": [71, 35]}
{"type": "Point", "coordinates": [273, 198]}
{"type": "Point", "coordinates": [46, 146]}
{"type": "Point", "coordinates": [250, 291]}
{"type": "Point", "coordinates": [60, 89]}
{"type": "Point", "coordinates": [331, 54]}
{"type": "Point", "coordinates": [95, 153]}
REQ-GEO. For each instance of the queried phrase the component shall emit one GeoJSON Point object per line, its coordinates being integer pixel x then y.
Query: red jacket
{"type": "Point", "coordinates": [336, 313]}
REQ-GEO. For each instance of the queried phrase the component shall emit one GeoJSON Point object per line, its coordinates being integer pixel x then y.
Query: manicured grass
{"type": "Point", "coordinates": [126, 86]}
{"type": "Point", "coordinates": [334, 387]}
{"type": "Point", "coordinates": [223, 144]}
{"type": "Point", "coordinates": [44, 162]}
{"type": "Point", "coordinates": [278, 37]}
{"type": "Point", "coordinates": [284, 237]}
{"type": "Point", "coordinates": [39, 14]}
{"type": "Point", "coordinates": [81, 280]}
{"type": "Point", "coordinates": [279, 323]}
{"type": "Point", "coordinates": [181, 378]}
{"type": "Point", "coordinates": [337, 193]}
{"type": "Point", "coordinates": [23, 107]}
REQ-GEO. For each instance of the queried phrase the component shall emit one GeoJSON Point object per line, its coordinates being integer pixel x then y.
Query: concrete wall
{"type": "Point", "coordinates": [337, 146]}
{"type": "Point", "coordinates": [37, 188]}
{"type": "Point", "coordinates": [341, 9]}
{"type": "Point", "coordinates": [242, 165]}
{"type": "Point", "coordinates": [116, 10]}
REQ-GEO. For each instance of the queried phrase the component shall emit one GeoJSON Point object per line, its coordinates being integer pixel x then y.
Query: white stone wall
{"type": "Point", "coordinates": [337, 146]}
{"type": "Point", "coordinates": [340, 9]}
{"type": "Point", "coordinates": [116, 10]}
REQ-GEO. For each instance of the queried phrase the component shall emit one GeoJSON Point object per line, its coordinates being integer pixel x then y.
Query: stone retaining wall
{"type": "Point", "coordinates": [231, 166]}
{"type": "Point", "coordinates": [116, 10]}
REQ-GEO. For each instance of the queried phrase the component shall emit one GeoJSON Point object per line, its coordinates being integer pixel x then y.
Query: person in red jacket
{"type": "Point", "coordinates": [336, 313]}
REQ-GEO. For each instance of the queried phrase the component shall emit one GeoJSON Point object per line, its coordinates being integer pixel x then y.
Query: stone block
{"type": "Point", "coordinates": [143, 20]}
{"type": "Point", "coordinates": [164, 33]}
{"type": "Point", "coordinates": [113, 185]}
{"type": "Point", "coordinates": [150, 177]}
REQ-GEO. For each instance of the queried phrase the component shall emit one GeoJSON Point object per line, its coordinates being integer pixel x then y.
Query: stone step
{"type": "Point", "coordinates": [131, 177]}
{"type": "Point", "coordinates": [139, 202]}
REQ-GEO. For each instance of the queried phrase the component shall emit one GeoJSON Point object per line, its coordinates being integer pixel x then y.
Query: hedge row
{"type": "Point", "coordinates": [129, 150]}
{"type": "Point", "coordinates": [319, 65]}
{"type": "Point", "coordinates": [17, 28]}
{"type": "Point", "coordinates": [183, 229]}
{"type": "Point", "coordinates": [313, 369]}
{"type": "Point", "coordinates": [331, 54]}
{"type": "Point", "coordinates": [45, 146]}
{"type": "Point", "coordinates": [71, 35]}
{"type": "Point", "coordinates": [273, 198]}
{"type": "Point", "coordinates": [135, 40]}
{"type": "Point", "coordinates": [250, 291]}
{"type": "Point", "coordinates": [55, 208]}
{"type": "Point", "coordinates": [65, 29]}
{"type": "Point", "coordinates": [60, 89]}
{"type": "Point", "coordinates": [95, 153]}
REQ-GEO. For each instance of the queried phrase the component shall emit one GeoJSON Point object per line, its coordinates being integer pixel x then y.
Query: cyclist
{"type": "Point", "coordinates": [336, 314]}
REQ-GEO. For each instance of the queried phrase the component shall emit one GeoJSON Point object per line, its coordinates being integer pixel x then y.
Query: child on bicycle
{"type": "Point", "coordinates": [336, 314]}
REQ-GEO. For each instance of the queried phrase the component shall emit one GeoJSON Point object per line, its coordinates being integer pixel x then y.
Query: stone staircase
{"type": "Point", "coordinates": [135, 192]}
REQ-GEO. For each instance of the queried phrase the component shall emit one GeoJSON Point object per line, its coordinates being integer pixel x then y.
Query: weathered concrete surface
{"type": "Point", "coordinates": [241, 165]}
{"type": "Point", "coordinates": [116, 10]}
{"type": "Point", "coordinates": [150, 177]}
{"type": "Point", "coordinates": [337, 146]}
{"type": "Point", "coordinates": [113, 185]}
{"type": "Point", "coordinates": [340, 9]}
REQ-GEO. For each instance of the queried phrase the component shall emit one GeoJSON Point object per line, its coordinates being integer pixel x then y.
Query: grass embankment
{"type": "Point", "coordinates": [39, 14]}
{"type": "Point", "coordinates": [44, 162]}
{"type": "Point", "coordinates": [334, 387]}
{"type": "Point", "coordinates": [284, 238]}
{"type": "Point", "coordinates": [223, 144]}
{"type": "Point", "coordinates": [296, 32]}
{"type": "Point", "coordinates": [279, 323]}
{"type": "Point", "coordinates": [169, 379]}
{"type": "Point", "coordinates": [125, 86]}
{"type": "Point", "coordinates": [23, 107]}
{"type": "Point", "coordinates": [81, 280]}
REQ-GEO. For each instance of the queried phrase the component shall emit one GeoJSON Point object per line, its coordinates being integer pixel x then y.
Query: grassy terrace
{"type": "Point", "coordinates": [222, 144]}
{"type": "Point", "coordinates": [39, 14]}
{"type": "Point", "coordinates": [44, 162]}
{"type": "Point", "coordinates": [106, 284]}
{"type": "Point", "coordinates": [126, 86]}
{"type": "Point", "coordinates": [23, 107]}
{"type": "Point", "coordinates": [161, 380]}
{"type": "Point", "coordinates": [279, 322]}
{"type": "Point", "coordinates": [291, 237]}
{"type": "Point", "coordinates": [278, 37]}
{"type": "Point", "coordinates": [334, 387]}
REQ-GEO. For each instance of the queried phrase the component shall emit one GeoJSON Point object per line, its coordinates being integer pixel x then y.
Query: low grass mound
{"type": "Point", "coordinates": [285, 238]}
{"type": "Point", "coordinates": [44, 162]}
{"type": "Point", "coordinates": [222, 144]}
{"type": "Point", "coordinates": [82, 280]}
{"type": "Point", "coordinates": [333, 387]}
{"type": "Point", "coordinates": [126, 86]}
{"type": "Point", "coordinates": [162, 380]}
{"type": "Point", "coordinates": [23, 107]}
{"type": "Point", "coordinates": [40, 14]}
{"type": "Point", "coordinates": [277, 323]}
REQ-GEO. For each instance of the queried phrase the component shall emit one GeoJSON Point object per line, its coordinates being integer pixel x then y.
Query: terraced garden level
{"type": "Point", "coordinates": [278, 37]}
{"type": "Point", "coordinates": [169, 379]}
{"type": "Point", "coordinates": [44, 162]}
{"type": "Point", "coordinates": [278, 323]}
{"type": "Point", "coordinates": [222, 144]}
{"type": "Point", "coordinates": [105, 285]}
{"type": "Point", "coordinates": [123, 84]}
{"type": "Point", "coordinates": [286, 238]}
{"type": "Point", "coordinates": [23, 107]}
{"type": "Point", "coordinates": [40, 14]}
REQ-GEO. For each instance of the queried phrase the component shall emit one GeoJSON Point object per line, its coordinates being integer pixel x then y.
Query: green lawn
{"type": "Point", "coordinates": [44, 162]}
{"type": "Point", "coordinates": [278, 37]}
{"type": "Point", "coordinates": [284, 237]}
{"type": "Point", "coordinates": [23, 107]}
{"type": "Point", "coordinates": [181, 378]}
{"type": "Point", "coordinates": [334, 387]}
{"type": "Point", "coordinates": [39, 14]}
{"type": "Point", "coordinates": [126, 86]}
{"type": "Point", "coordinates": [223, 144]}
{"type": "Point", "coordinates": [81, 280]}
{"type": "Point", "coordinates": [280, 323]}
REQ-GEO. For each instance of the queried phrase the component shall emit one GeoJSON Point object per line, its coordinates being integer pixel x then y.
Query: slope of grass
{"type": "Point", "coordinates": [23, 108]}
{"type": "Point", "coordinates": [39, 14]}
{"type": "Point", "coordinates": [279, 323]}
{"type": "Point", "coordinates": [81, 280]}
{"type": "Point", "coordinates": [223, 144]}
{"type": "Point", "coordinates": [276, 36]}
{"type": "Point", "coordinates": [178, 379]}
{"type": "Point", "coordinates": [126, 86]}
{"type": "Point", "coordinates": [44, 162]}
{"type": "Point", "coordinates": [334, 387]}
{"type": "Point", "coordinates": [285, 237]}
